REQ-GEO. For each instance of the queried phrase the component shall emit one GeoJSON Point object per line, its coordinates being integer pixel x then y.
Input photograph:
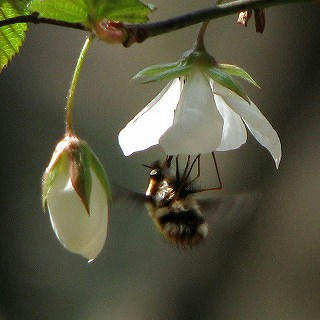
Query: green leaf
{"type": "Point", "coordinates": [238, 72]}
{"type": "Point", "coordinates": [11, 36]}
{"type": "Point", "coordinates": [98, 169]}
{"type": "Point", "coordinates": [162, 71]}
{"type": "Point", "coordinates": [64, 10]}
{"type": "Point", "coordinates": [49, 177]}
{"type": "Point", "coordinates": [227, 81]}
{"type": "Point", "coordinates": [133, 11]}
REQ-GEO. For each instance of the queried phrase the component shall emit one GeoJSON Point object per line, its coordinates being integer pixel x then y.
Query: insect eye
{"type": "Point", "coordinates": [155, 173]}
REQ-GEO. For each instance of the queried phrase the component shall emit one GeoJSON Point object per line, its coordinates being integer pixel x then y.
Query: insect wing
{"type": "Point", "coordinates": [229, 211]}
{"type": "Point", "coordinates": [126, 199]}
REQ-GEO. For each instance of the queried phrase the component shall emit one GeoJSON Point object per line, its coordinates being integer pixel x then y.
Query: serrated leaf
{"type": "Point", "coordinates": [133, 11]}
{"type": "Point", "coordinates": [80, 174]}
{"type": "Point", "coordinates": [161, 72]}
{"type": "Point", "coordinates": [64, 10]}
{"type": "Point", "coordinates": [11, 36]}
{"type": "Point", "coordinates": [98, 169]}
{"type": "Point", "coordinates": [227, 81]}
{"type": "Point", "coordinates": [49, 177]}
{"type": "Point", "coordinates": [238, 72]}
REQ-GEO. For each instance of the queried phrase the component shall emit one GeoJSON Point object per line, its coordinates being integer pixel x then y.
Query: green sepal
{"type": "Point", "coordinates": [134, 11]}
{"type": "Point", "coordinates": [80, 173]}
{"type": "Point", "coordinates": [222, 1]}
{"type": "Point", "coordinates": [162, 71]}
{"type": "Point", "coordinates": [63, 10]}
{"type": "Point", "coordinates": [227, 81]}
{"type": "Point", "coordinates": [99, 170]}
{"type": "Point", "coordinates": [11, 36]}
{"type": "Point", "coordinates": [238, 72]}
{"type": "Point", "coordinates": [60, 165]}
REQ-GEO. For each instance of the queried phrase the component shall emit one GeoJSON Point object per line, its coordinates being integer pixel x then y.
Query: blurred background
{"type": "Point", "coordinates": [262, 257]}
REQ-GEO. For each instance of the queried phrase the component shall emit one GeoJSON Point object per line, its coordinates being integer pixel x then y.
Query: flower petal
{"type": "Point", "coordinates": [197, 125]}
{"type": "Point", "coordinates": [234, 131]}
{"type": "Point", "coordinates": [258, 125]}
{"type": "Point", "coordinates": [148, 125]}
{"type": "Point", "coordinates": [77, 231]}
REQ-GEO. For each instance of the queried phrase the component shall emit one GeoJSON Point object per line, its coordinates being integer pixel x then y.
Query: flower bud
{"type": "Point", "coordinates": [111, 32]}
{"type": "Point", "coordinates": [76, 191]}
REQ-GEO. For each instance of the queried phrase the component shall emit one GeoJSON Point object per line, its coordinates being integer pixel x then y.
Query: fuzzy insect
{"type": "Point", "coordinates": [171, 202]}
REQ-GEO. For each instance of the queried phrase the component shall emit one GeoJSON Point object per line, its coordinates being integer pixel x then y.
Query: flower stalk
{"type": "Point", "coordinates": [199, 45]}
{"type": "Point", "coordinates": [74, 82]}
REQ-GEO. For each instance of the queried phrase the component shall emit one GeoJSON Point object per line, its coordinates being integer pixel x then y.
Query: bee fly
{"type": "Point", "coordinates": [171, 202]}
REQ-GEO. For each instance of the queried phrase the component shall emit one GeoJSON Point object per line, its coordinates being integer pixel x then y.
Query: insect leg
{"type": "Point", "coordinates": [217, 170]}
{"type": "Point", "coordinates": [168, 161]}
{"type": "Point", "coordinates": [177, 170]}
{"type": "Point", "coordinates": [184, 175]}
{"type": "Point", "coordinates": [197, 159]}
{"type": "Point", "coordinates": [219, 187]}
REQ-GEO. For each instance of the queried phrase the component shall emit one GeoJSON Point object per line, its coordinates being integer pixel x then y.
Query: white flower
{"type": "Point", "coordinates": [194, 114]}
{"type": "Point", "coordinates": [76, 193]}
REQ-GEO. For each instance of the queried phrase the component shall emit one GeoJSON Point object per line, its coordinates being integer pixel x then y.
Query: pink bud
{"type": "Point", "coordinates": [110, 31]}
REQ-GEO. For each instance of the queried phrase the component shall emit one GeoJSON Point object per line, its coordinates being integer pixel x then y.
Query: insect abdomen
{"type": "Point", "coordinates": [185, 227]}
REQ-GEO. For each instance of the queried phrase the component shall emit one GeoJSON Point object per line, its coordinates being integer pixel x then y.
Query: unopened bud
{"type": "Point", "coordinates": [76, 191]}
{"type": "Point", "coordinates": [110, 31]}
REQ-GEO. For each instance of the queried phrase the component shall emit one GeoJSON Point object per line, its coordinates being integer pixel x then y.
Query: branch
{"type": "Point", "coordinates": [141, 32]}
{"type": "Point", "coordinates": [34, 18]}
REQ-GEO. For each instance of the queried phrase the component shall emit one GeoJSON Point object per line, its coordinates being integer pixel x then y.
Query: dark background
{"type": "Point", "coordinates": [256, 264]}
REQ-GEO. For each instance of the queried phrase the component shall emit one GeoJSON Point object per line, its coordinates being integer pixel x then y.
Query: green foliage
{"type": "Point", "coordinates": [162, 71]}
{"type": "Point", "coordinates": [64, 10]}
{"type": "Point", "coordinates": [11, 36]}
{"type": "Point", "coordinates": [227, 81]}
{"type": "Point", "coordinates": [88, 11]}
{"type": "Point", "coordinates": [121, 10]}
{"type": "Point", "coordinates": [238, 72]}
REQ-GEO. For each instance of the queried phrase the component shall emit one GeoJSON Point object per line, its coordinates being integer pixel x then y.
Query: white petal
{"type": "Point", "coordinates": [197, 125]}
{"type": "Point", "coordinates": [76, 230]}
{"type": "Point", "coordinates": [258, 125]}
{"type": "Point", "coordinates": [148, 125]}
{"type": "Point", "coordinates": [234, 131]}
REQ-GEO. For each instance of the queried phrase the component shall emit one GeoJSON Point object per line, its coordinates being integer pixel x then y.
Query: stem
{"type": "Point", "coordinates": [199, 45]}
{"type": "Point", "coordinates": [34, 18]}
{"type": "Point", "coordinates": [74, 82]}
